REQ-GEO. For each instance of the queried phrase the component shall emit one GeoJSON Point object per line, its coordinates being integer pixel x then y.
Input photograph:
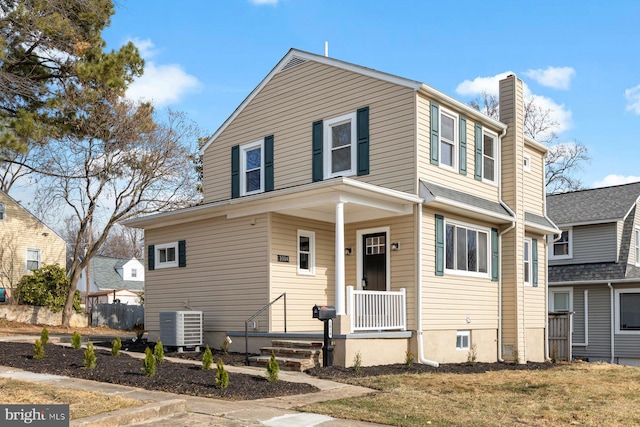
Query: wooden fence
{"type": "Point", "coordinates": [560, 336]}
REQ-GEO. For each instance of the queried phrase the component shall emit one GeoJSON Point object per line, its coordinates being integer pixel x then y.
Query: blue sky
{"type": "Point", "coordinates": [579, 58]}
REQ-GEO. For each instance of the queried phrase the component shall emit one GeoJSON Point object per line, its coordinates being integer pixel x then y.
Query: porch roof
{"type": "Point", "coordinates": [463, 203]}
{"type": "Point", "coordinates": [540, 224]}
{"type": "Point", "coordinates": [362, 201]}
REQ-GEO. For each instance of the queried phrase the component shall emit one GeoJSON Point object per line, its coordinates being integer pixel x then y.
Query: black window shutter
{"type": "Point", "coordinates": [478, 150]}
{"type": "Point", "coordinates": [363, 140]}
{"type": "Point", "coordinates": [182, 253]}
{"type": "Point", "coordinates": [151, 257]}
{"type": "Point", "coordinates": [494, 255]}
{"type": "Point", "coordinates": [268, 163]}
{"type": "Point", "coordinates": [534, 251]}
{"type": "Point", "coordinates": [235, 171]}
{"type": "Point", "coordinates": [439, 245]}
{"type": "Point", "coordinates": [463, 145]}
{"type": "Point", "coordinates": [317, 143]}
{"type": "Point", "coordinates": [435, 138]}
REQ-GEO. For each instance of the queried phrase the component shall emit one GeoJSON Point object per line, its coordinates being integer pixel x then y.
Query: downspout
{"type": "Point", "coordinates": [613, 326]}
{"type": "Point", "coordinates": [419, 294]}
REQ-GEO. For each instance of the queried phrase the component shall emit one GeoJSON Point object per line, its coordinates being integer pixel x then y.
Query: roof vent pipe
{"type": "Point", "coordinates": [326, 49]}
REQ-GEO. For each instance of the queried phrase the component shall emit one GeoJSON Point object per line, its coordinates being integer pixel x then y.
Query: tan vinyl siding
{"type": "Point", "coordinates": [536, 297]}
{"type": "Point", "coordinates": [21, 230]}
{"type": "Point", "coordinates": [447, 177]}
{"type": "Point", "coordinates": [225, 259]}
{"type": "Point", "coordinates": [449, 300]}
{"type": "Point", "coordinates": [534, 183]}
{"type": "Point", "coordinates": [289, 104]}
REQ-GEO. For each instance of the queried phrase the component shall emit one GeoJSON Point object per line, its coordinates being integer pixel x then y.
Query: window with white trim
{"type": "Point", "coordinates": [252, 168]}
{"type": "Point", "coordinates": [33, 259]}
{"type": "Point", "coordinates": [562, 249]}
{"type": "Point", "coordinates": [466, 249]}
{"type": "Point", "coordinates": [463, 340]}
{"type": "Point", "coordinates": [306, 252]}
{"type": "Point", "coordinates": [527, 262]}
{"type": "Point", "coordinates": [3, 211]}
{"type": "Point", "coordinates": [166, 255]}
{"type": "Point", "coordinates": [560, 300]}
{"type": "Point", "coordinates": [527, 162]}
{"type": "Point", "coordinates": [340, 137]}
{"type": "Point", "coordinates": [637, 239]}
{"type": "Point", "coordinates": [627, 303]}
{"type": "Point", "coordinates": [489, 156]}
{"type": "Point", "coordinates": [448, 138]}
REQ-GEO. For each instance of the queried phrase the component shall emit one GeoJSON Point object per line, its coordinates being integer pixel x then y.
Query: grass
{"type": "Point", "coordinates": [82, 403]}
{"type": "Point", "coordinates": [586, 394]}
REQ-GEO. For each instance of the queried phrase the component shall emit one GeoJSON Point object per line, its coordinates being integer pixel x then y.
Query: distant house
{"type": "Point", "coordinates": [112, 280]}
{"type": "Point", "coordinates": [26, 243]}
{"type": "Point", "coordinates": [420, 219]}
{"type": "Point", "coordinates": [594, 270]}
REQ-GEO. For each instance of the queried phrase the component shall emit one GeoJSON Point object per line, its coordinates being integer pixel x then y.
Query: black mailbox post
{"type": "Point", "coordinates": [326, 314]}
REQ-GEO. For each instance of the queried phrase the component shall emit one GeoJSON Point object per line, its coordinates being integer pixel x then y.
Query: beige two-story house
{"type": "Point", "coordinates": [26, 244]}
{"type": "Point", "coordinates": [421, 220]}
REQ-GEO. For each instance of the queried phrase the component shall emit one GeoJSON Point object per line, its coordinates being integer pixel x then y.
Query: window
{"type": "Point", "coordinates": [448, 138]}
{"type": "Point", "coordinates": [252, 168]}
{"type": "Point", "coordinates": [134, 272]}
{"type": "Point", "coordinates": [527, 261]}
{"type": "Point", "coordinates": [562, 248]}
{"type": "Point", "coordinates": [466, 249]}
{"type": "Point", "coordinates": [560, 301]}
{"type": "Point", "coordinates": [463, 339]}
{"type": "Point", "coordinates": [166, 255]}
{"type": "Point", "coordinates": [637, 235]}
{"type": "Point", "coordinates": [3, 212]}
{"type": "Point", "coordinates": [340, 146]}
{"type": "Point", "coordinates": [628, 311]}
{"type": "Point", "coordinates": [33, 259]}
{"type": "Point", "coordinates": [489, 156]}
{"type": "Point", "coordinates": [527, 163]}
{"type": "Point", "coordinates": [306, 252]}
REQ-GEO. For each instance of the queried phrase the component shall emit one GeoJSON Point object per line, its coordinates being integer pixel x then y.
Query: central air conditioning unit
{"type": "Point", "coordinates": [181, 329]}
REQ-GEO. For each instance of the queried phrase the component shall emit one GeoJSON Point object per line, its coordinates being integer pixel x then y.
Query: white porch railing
{"type": "Point", "coordinates": [377, 310]}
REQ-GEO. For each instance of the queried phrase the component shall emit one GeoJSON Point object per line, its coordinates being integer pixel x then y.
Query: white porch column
{"type": "Point", "coordinates": [340, 309]}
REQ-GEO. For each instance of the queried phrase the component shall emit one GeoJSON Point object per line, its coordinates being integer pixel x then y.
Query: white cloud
{"type": "Point", "coordinates": [613, 179]}
{"type": "Point", "coordinates": [490, 84]}
{"type": "Point", "coordinates": [160, 84]}
{"type": "Point", "coordinates": [553, 77]}
{"type": "Point", "coordinates": [261, 2]}
{"type": "Point", "coordinates": [633, 99]}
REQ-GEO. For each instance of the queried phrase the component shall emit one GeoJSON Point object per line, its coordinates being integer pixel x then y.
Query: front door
{"type": "Point", "coordinates": [374, 262]}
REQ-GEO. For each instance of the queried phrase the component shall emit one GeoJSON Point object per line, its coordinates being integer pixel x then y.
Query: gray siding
{"type": "Point", "coordinates": [578, 316]}
{"type": "Point", "coordinates": [599, 347]}
{"type": "Point", "coordinates": [592, 243]}
{"type": "Point", "coordinates": [627, 345]}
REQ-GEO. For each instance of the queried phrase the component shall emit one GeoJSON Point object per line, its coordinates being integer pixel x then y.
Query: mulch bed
{"type": "Point", "coordinates": [125, 370]}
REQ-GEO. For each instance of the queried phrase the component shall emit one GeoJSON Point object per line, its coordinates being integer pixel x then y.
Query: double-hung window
{"type": "Point", "coordinates": [562, 248]}
{"type": "Point", "coordinates": [448, 138]}
{"type": "Point", "coordinates": [340, 137]}
{"type": "Point", "coordinates": [33, 259]}
{"type": "Point", "coordinates": [489, 156]}
{"type": "Point", "coordinates": [467, 249]}
{"type": "Point", "coordinates": [252, 168]}
{"type": "Point", "coordinates": [527, 262]}
{"type": "Point", "coordinates": [306, 252]}
{"type": "Point", "coordinates": [628, 310]}
{"type": "Point", "coordinates": [166, 255]}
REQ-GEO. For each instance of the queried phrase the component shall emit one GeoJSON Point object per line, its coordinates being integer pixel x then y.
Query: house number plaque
{"type": "Point", "coordinates": [283, 258]}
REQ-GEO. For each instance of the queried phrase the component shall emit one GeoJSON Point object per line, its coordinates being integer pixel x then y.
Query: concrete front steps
{"type": "Point", "coordinates": [291, 355]}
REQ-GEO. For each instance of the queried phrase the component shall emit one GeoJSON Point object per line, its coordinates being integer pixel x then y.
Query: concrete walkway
{"type": "Point", "coordinates": [173, 410]}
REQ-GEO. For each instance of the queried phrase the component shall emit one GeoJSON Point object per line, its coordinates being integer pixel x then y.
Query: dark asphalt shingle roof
{"type": "Point", "coordinates": [598, 204]}
{"type": "Point", "coordinates": [105, 276]}
{"type": "Point", "coordinates": [538, 219]}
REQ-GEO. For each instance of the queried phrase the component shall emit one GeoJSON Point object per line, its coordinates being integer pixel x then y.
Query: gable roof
{"type": "Point", "coordinates": [105, 276]}
{"type": "Point", "coordinates": [593, 206]}
{"type": "Point", "coordinates": [30, 214]}
{"type": "Point", "coordinates": [296, 57]}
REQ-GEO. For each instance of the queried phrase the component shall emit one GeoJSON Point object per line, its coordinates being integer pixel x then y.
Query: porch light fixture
{"type": "Point", "coordinates": [347, 251]}
{"type": "Point", "coordinates": [395, 246]}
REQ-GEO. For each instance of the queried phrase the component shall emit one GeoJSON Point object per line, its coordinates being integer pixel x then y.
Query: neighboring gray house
{"type": "Point", "coordinates": [112, 278]}
{"type": "Point", "coordinates": [594, 270]}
